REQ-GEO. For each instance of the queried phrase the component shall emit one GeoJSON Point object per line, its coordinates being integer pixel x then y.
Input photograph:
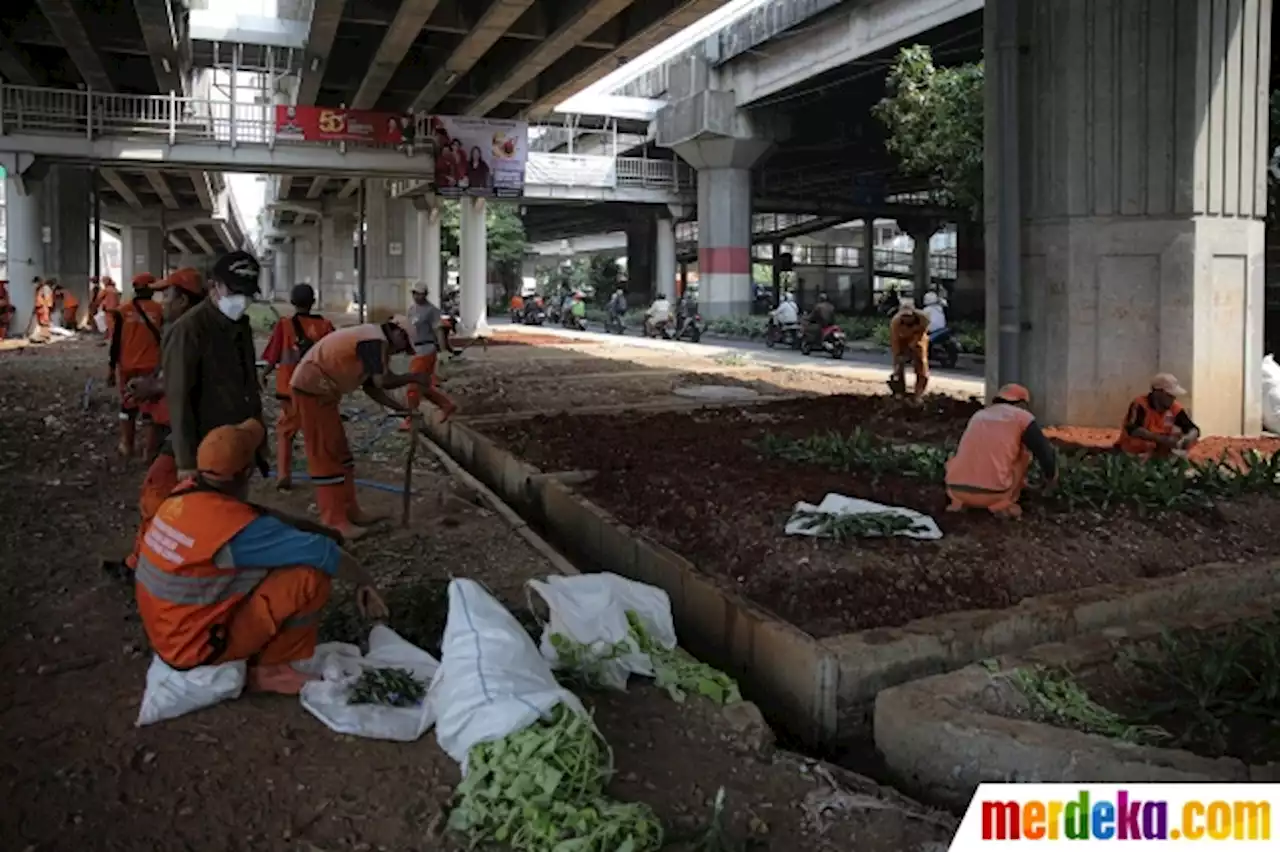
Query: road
{"type": "Point", "coordinates": [861, 365]}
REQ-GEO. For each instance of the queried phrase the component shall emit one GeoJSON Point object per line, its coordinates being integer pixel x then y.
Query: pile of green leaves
{"type": "Point", "coordinates": [541, 789]}
{"type": "Point", "coordinates": [583, 665]}
{"type": "Point", "coordinates": [849, 527]}
{"type": "Point", "coordinates": [1057, 696]}
{"type": "Point", "coordinates": [1208, 681]}
{"type": "Point", "coordinates": [390, 687]}
{"type": "Point", "coordinates": [860, 450]}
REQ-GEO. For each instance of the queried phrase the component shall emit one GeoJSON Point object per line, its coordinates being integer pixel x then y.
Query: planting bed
{"type": "Point", "coordinates": [700, 484]}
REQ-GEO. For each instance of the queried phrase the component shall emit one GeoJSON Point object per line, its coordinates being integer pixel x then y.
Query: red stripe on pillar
{"type": "Point", "coordinates": [733, 260]}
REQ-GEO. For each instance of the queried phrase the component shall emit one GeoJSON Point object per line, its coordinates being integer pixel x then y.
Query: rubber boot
{"type": "Point", "coordinates": [284, 463]}
{"type": "Point", "coordinates": [354, 514]}
{"type": "Point", "coordinates": [332, 502]}
{"type": "Point", "coordinates": [127, 430]}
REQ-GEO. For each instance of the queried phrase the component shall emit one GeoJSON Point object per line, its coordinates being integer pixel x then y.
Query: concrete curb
{"type": "Point", "coordinates": [941, 738]}
{"type": "Point", "coordinates": [825, 688]}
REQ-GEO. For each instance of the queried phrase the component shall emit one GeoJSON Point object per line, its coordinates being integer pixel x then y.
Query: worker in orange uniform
{"type": "Point", "coordinates": [221, 580]}
{"type": "Point", "coordinates": [909, 344]}
{"type": "Point", "coordinates": [347, 360]}
{"type": "Point", "coordinates": [44, 309]}
{"type": "Point", "coordinates": [989, 469]}
{"type": "Point", "coordinates": [105, 302]}
{"type": "Point", "coordinates": [290, 340]}
{"type": "Point", "coordinates": [425, 321]}
{"type": "Point", "coordinates": [68, 305]}
{"type": "Point", "coordinates": [1156, 423]}
{"type": "Point", "coordinates": [6, 309]}
{"type": "Point", "coordinates": [135, 353]}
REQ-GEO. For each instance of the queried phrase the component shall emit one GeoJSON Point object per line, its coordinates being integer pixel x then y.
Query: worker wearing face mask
{"type": "Point", "coordinates": [209, 363]}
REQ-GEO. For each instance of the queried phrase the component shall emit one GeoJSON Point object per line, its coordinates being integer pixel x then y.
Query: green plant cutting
{"type": "Point", "coordinates": [541, 789]}
{"type": "Point", "coordinates": [1059, 697]}
{"type": "Point", "coordinates": [390, 687]}
{"type": "Point", "coordinates": [844, 528]}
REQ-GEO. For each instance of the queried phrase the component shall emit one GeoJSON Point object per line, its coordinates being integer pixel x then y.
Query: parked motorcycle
{"type": "Point", "coordinates": [788, 335]}
{"type": "Point", "coordinates": [691, 329]}
{"type": "Point", "coordinates": [944, 349]}
{"type": "Point", "coordinates": [832, 342]}
{"type": "Point", "coordinates": [613, 324]}
{"type": "Point", "coordinates": [533, 315]}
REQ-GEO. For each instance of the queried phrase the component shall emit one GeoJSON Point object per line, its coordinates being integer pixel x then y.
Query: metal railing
{"type": "Point", "coordinates": [562, 170]}
{"type": "Point", "coordinates": [888, 261]}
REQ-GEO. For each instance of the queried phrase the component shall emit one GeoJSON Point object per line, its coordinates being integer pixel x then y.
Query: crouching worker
{"type": "Point", "coordinates": [220, 579]}
{"type": "Point", "coordinates": [1156, 423]}
{"type": "Point", "coordinates": [989, 469]}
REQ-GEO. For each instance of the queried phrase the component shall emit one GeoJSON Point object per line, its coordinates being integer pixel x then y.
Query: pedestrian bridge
{"type": "Point", "coordinates": [99, 128]}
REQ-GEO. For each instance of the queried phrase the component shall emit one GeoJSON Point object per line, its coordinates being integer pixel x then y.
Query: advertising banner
{"type": "Point", "coordinates": [479, 156]}
{"type": "Point", "coordinates": [331, 124]}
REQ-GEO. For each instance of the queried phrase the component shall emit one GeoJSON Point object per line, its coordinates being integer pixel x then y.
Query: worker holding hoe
{"type": "Point", "coordinates": [989, 469]}
{"type": "Point", "coordinates": [347, 360]}
{"type": "Point", "coordinates": [134, 353]}
{"type": "Point", "coordinates": [1156, 423]}
{"type": "Point", "coordinates": [220, 579]}
{"type": "Point", "coordinates": [909, 344]}
{"type": "Point", "coordinates": [425, 322]}
{"type": "Point", "coordinates": [291, 339]}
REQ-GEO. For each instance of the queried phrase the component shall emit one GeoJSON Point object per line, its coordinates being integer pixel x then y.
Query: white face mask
{"type": "Point", "coordinates": [233, 305]}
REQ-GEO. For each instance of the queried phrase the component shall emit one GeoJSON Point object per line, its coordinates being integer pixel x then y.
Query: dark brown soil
{"type": "Point", "coordinates": [698, 484]}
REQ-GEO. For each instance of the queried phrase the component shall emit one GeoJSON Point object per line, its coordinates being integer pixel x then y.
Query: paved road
{"type": "Point", "coordinates": [862, 365]}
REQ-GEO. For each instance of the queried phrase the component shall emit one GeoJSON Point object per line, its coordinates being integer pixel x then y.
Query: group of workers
{"type": "Point", "coordinates": [219, 578]}
{"type": "Point", "coordinates": [56, 306]}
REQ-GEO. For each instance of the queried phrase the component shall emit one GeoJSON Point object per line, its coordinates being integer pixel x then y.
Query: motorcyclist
{"type": "Point", "coordinates": [659, 312]}
{"type": "Point", "coordinates": [822, 316]}
{"type": "Point", "coordinates": [617, 307]}
{"type": "Point", "coordinates": [578, 309]}
{"type": "Point", "coordinates": [936, 311]}
{"type": "Point", "coordinates": [686, 309]}
{"type": "Point", "coordinates": [787, 313]}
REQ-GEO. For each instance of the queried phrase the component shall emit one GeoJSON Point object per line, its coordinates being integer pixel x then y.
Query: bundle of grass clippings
{"type": "Point", "coordinates": [585, 665]}
{"type": "Point", "coordinates": [541, 789]}
{"type": "Point", "coordinates": [390, 687]}
{"type": "Point", "coordinates": [676, 671]}
{"type": "Point", "coordinates": [868, 525]}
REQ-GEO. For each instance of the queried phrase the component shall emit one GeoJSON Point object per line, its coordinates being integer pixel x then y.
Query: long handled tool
{"type": "Point", "coordinates": [415, 422]}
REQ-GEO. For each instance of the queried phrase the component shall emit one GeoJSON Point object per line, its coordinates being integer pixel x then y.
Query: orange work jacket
{"type": "Point", "coordinates": [139, 325]}
{"type": "Point", "coordinates": [989, 450]}
{"type": "Point", "coordinates": [313, 329]}
{"type": "Point", "coordinates": [109, 299]}
{"type": "Point", "coordinates": [333, 367]}
{"type": "Point", "coordinates": [1156, 422]}
{"type": "Point", "coordinates": [186, 590]}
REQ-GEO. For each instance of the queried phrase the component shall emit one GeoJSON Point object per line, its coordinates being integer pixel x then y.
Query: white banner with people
{"type": "Point", "coordinates": [479, 156]}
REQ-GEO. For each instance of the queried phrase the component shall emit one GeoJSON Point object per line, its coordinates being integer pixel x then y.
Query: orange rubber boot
{"type": "Point", "coordinates": [354, 513]}
{"type": "Point", "coordinates": [332, 502]}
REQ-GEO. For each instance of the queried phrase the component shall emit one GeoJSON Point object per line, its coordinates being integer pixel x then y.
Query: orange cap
{"type": "Point", "coordinates": [144, 279]}
{"type": "Point", "coordinates": [1014, 393]}
{"type": "Point", "coordinates": [187, 278]}
{"type": "Point", "coordinates": [228, 451]}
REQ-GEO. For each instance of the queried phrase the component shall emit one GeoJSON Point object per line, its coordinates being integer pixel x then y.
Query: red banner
{"type": "Point", "coordinates": [331, 124]}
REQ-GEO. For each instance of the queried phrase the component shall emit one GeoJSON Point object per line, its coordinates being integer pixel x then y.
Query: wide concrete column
{"type": "Point", "coordinates": [336, 280]}
{"type": "Point", "coordinates": [25, 250]}
{"type": "Point", "coordinates": [1143, 150]}
{"type": "Point", "coordinates": [921, 230]}
{"type": "Point", "coordinates": [474, 267]}
{"type": "Point", "coordinates": [664, 263]}
{"type": "Point", "coordinates": [306, 260]}
{"type": "Point", "coordinates": [283, 268]}
{"type": "Point", "coordinates": [141, 250]}
{"type": "Point", "coordinates": [67, 218]}
{"type": "Point", "coordinates": [642, 252]}
{"type": "Point", "coordinates": [429, 266]}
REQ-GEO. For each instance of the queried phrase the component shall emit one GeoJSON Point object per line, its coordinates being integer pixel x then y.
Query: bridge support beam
{"type": "Point", "coordinates": [1136, 242]}
{"type": "Point", "coordinates": [25, 249]}
{"type": "Point", "coordinates": [67, 217]}
{"type": "Point", "coordinates": [283, 272]}
{"type": "Point", "coordinates": [336, 280]}
{"type": "Point", "coordinates": [474, 275]}
{"type": "Point", "coordinates": [664, 262]}
{"type": "Point", "coordinates": [141, 250]}
{"type": "Point", "coordinates": [429, 266]}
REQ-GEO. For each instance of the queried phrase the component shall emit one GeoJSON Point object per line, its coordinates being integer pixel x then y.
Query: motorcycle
{"type": "Point", "coordinates": [788, 335]}
{"type": "Point", "coordinates": [533, 315]}
{"type": "Point", "coordinates": [690, 329]}
{"type": "Point", "coordinates": [944, 349]}
{"type": "Point", "coordinates": [661, 328]}
{"type": "Point", "coordinates": [613, 324]}
{"type": "Point", "coordinates": [832, 341]}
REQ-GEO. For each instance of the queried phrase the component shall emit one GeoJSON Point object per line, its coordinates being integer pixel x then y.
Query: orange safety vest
{"type": "Point", "coordinates": [186, 586]}
{"type": "Point", "coordinates": [109, 299]}
{"type": "Point", "coordinates": [1156, 422]}
{"type": "Point", "coordinates": [140, 338]}
{"type": "Point", "coordinates": [989, 449]}
{"type": "Point", "coordinates": [332, 367]}
{"type": "Point", "coordinates": [313, 329]}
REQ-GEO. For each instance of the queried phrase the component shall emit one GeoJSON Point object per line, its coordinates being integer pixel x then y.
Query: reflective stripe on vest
{"type": "Point", "coordinates": [192, 591]}
{"type": "Point", "coordinates": [991, 446]}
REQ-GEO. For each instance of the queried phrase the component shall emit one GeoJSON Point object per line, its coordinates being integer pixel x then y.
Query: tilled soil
{"type": "Point", "coordinates": [259, 773]}
{"type": "Point", "coordinates": [698, 484]}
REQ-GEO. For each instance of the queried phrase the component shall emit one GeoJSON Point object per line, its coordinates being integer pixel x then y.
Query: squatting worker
{"type": "Point", "coordinates": [428, 339]}
{"type": "Point", "coordinates": [209, 363]}
{"type": "Point", "coordinates": [350, 359]}
{"type": "Point", "coordinates": [1156, 423]}
{"type": "Point", "coordinates": [135, 353]}
{"type": "Point", "coordinates": [909, 344]}
{"type": "Point", "coordinates": [220, 580]}
{"type": "Point", "coordinates": [989, 469]}
{"type": "Point", "coordinates": [290, 340]}
{"type": "Point", "coordinates": [181, 291]}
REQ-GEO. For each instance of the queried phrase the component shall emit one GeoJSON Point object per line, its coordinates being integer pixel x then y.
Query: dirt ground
{"type": "Point", "coordinates": [259, 773]}
{"type": "Point", "coordinates": [697, 483]}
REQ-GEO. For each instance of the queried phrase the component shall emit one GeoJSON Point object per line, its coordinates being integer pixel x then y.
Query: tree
{"type": "Point", "coordinates": [934, 118]}
{"type": "Point", "coordinates": [505, 240]}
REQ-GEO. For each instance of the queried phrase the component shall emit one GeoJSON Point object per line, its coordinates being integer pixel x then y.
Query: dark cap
{"type": "Point", "coordinates": [239, 271]}
{"type": "Point", "coordinates": [302, 294]}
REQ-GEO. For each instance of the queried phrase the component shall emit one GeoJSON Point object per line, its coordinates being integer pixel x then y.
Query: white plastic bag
{"type": "Point", "coordinates": [492, 681]}
{"type": "Point", "coordinates": [838, 504]}
{"type": "Point", "coordinates": [1270, 394]}
{"type": "Point", "coordinates": [591, 609]}
{"type": "Point", "coordinates": [171, 693]}
{"type": "Point", "coordinates": [340, 665]}
{"type": "Point", "coordinates": [100, 321]}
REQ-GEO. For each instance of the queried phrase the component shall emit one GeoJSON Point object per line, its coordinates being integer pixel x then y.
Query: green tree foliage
{"type": "Point", "coordinates": [504, 237]}
{"type": "Point", "coordinates": [596, 275]}
{"type": "Point", "coordinates": [933, 115]}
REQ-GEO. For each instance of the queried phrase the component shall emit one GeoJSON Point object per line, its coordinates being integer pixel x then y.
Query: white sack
{"type": "Point", "coordinates": [171, 693]}
{"type": "Point", "coordinates": [838, 504]}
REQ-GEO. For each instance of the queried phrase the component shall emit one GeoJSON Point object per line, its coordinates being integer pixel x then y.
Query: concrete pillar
{"type": "Point", "coordinates": [306, 259]}
{"type": "Point", "coordinates": [969, 296]}
{"type": "Point", "coordinates": [724, 241]}
{"type": "Point", "coordinates": [429, 267]}
{"type": "Point", "coordinates": [67, 217]}
{"type": "Point", "coordinates": [1142, 203]}
{"type": "Point", "coordinates": [141, 250]}
{"type": "Point", "coordinates": [664, 265]}
{"type": "Point", "coordinates": [283, 268]}
{"type": "Point", "coordinates": [25, 250]}
{"type": "Point", "coordinates": [336, 280]}
{"type": "Point", "coordinates": [474, 267]}
{"type": "Point", "coordinates": [642, 253]}
{"type": "Point", "coordinates": [864, 295]}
